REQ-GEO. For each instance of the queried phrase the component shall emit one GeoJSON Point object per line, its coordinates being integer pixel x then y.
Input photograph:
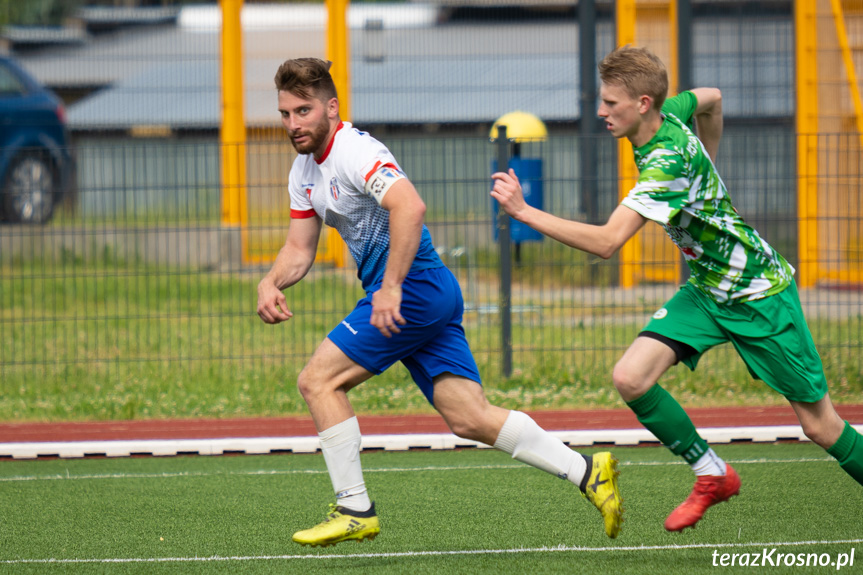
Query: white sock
{"type": "Point", "coordinates": [709, 464]}
{"type": "Point", "coordinates": [340, 445]}
{"type": "Point", "coordinates": [526, 441]}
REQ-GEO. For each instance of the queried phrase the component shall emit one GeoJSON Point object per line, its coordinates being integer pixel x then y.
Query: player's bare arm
{"type": "Point", "coordinates": [602, 241]}
{"type": "Point", "coordinates": [294, 261]}
{"type": "Point", "coordinates": [708, 118]}
{"type": "Point", "coordinates": [407, 211]}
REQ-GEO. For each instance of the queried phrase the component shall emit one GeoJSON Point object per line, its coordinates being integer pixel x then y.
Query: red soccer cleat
{"type": "Point", "coordinates": [709, 490]}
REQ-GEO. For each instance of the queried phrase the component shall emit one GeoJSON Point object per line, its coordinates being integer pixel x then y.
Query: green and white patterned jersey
{"type": "Point", "coordinates": [679, 188]}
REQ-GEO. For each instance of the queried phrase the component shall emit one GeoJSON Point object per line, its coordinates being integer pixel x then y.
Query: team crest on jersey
{"type": "Point", "coordinates": [334, 188]}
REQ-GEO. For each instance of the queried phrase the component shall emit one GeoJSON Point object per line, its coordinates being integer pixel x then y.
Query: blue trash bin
{"type": "Point", "coordinates": [529, 172]}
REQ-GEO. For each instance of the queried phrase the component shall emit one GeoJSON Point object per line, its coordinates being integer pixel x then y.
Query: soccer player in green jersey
{"type": "Point", "coordinates": [740, 289]}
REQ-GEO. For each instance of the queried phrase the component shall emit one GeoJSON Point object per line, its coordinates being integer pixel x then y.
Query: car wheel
{"type": "Point", "coordinates": [29, 190]}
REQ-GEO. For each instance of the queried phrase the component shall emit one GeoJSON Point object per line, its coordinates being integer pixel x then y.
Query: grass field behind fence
{"type": "Point", "coordinates": [109, 340]}
{"type": "Point", "coordinates": [466, 511]}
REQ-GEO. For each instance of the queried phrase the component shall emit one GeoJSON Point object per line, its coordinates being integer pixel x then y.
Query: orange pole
{"type": "Point", "coordinates": [339, 53]}
{"type": "Point", "coordinates": [233, 132]}
{"type": "Point", "coordinates": [627, 173]}
{"type": "Point", "coordinates": [806, 54]}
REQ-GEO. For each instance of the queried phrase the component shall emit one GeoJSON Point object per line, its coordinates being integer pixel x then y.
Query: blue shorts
{"type": "Point", "coordinates": [431, 343]}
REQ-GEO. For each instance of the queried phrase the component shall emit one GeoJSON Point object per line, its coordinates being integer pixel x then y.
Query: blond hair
{"type": "Point", "coordinates": [638, 70]}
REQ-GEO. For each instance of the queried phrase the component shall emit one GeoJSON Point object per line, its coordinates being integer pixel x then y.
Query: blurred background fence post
{"type": "Point", "coordinates": [589, 127]}
{"type": "Point", "coordinates": [504, 240]}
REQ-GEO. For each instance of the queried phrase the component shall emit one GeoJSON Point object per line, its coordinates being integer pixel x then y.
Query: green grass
{"type": "Point", "coordinates": [111, 339]}
{"type": "Point", "coordinates": [469, 511]}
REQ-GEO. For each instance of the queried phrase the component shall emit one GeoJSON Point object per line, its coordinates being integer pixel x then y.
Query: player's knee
{"type": "Point", "coordinates": [303, 383]}
{"type": "Point", "coordinates": [627, 381]}
{"type": "Point", "coordinates": [308, 385]}
{"type": "Point", "coordinates": [313, 384]}
{"type": "Point", "coordinates": [474, 429]}
{"type": "Point", "coordinates": [464, 428]}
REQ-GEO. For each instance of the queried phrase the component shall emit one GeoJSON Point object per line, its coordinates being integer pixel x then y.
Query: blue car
{"type": "Point", "coordinates": [37, 166]}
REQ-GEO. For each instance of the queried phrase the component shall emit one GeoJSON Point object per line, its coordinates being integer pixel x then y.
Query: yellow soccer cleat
{"type": "Point", "coordinates": [601, 489]}
{"type": "Point", "coordinates": [340, 525]}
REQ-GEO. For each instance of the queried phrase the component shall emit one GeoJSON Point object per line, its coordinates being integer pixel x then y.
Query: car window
{"type": "Point", "coordinates": [10, 85]}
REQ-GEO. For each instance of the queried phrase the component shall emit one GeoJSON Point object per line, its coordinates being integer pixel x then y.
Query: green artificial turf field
{"type": "Point", "coordinates": [466, 511]}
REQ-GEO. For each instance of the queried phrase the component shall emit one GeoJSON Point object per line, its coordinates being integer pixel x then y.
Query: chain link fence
{"type": "Point", "coordinates": [136, 283]}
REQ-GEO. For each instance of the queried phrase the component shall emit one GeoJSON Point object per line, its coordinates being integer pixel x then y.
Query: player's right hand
{"type": "Point", "coordinates": [507, 191]}
{"type": "Point", "coordinates": [386, 313]}
{"type": "Point", "coordinates": [272, 305]}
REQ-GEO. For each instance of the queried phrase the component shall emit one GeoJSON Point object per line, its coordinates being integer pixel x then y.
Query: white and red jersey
{"type": "Point", "coordinates": [345, 188]}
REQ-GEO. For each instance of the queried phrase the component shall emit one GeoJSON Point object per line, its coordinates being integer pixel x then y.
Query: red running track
{"type": "Point", "coordinates": [381, 424]}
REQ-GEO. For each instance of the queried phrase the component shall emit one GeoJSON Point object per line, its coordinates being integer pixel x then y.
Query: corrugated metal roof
{"type": "Point", "coordinates": [186, 94]}
{"type": "Point", "coordinates": [106, 15]}
{"type": "Point", "coordinates": [449, 89]}
{"type": "Point", "coordinates": [37, 35]}
{"type": "Point", "coordinates": [410, 70]}
{"type": "Point", "coordinates": [109, 59]}
{"type": "Point", "coordinates": [176, 94]}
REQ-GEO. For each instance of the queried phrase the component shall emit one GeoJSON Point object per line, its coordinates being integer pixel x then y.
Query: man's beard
{"type": "Point", "coordinates": [315, 139]}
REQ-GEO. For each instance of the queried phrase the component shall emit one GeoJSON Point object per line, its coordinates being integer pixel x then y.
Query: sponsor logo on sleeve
{"type": "Point", "coordinates": [308, 189]}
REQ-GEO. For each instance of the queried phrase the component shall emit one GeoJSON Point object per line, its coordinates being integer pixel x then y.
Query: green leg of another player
{"type": "Point", "coordinates": [848, 450]}
{"type": "Point", "coordinates": [665, 418]}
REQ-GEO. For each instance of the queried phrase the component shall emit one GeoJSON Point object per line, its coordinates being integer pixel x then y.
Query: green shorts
{"type": "Point", "coordinates": [770, 334]}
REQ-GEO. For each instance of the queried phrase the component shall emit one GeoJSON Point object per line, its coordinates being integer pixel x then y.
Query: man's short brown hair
{"type": "Point", "coordinates": [638, 70]}
{"type": "Point", "coordinates": [306, 78]}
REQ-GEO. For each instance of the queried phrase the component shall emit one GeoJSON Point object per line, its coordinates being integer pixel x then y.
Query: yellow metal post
{"type": "Point", "coordinates": [658, 259]}
{"type": "Point", "coordinates": [627, 173]}
{"type": "Point", "coordinates": [673, 49]}
{"type": "Point", "coordinates": [674, 80]}
{"type": "Point", "coordinates": [848, 60]}
{"type": "Point", "coordinates": [233, 132]}
{"type": "Point", "coordinates": [339, 53]}
{"type": "Point", "coordinates": [806, 45]}
{"type": "Point", "coordinates": [624, 19]}
{"type": "Point", "coordinates": [630, 253]}
{"type": "Point", "coordinates": [845, 235]}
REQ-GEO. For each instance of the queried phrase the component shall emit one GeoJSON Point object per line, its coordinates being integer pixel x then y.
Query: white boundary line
{"type": "Point", "coordinates": [558, 549]}
{"type": "Point", "coordinates": [262, 472]}
{"type": "Point", "coordinates": [310, 444]}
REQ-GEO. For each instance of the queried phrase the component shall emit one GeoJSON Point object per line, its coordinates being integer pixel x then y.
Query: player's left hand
{"type": "Point", "coordinates": [386, 303]}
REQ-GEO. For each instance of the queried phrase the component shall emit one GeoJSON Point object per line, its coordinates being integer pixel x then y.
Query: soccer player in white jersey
{"type": "Point", "coordinates": [740, 289]}
{"type": "Point", "coordinates": [412, 312]}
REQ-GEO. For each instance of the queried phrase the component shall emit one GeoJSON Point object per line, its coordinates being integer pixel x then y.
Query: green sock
{"type": "Point", "coordinates": [848, 450]}
{"type": "Point", "coordinates": [663, 417]}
